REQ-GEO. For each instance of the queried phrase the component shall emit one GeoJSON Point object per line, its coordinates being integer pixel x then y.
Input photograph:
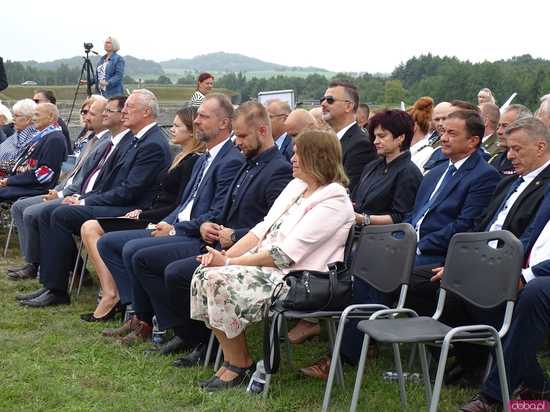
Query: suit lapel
{"type": "Point", "coordinates": [536, 184]}
{"type": "Point", "coordinates": [219, 157]}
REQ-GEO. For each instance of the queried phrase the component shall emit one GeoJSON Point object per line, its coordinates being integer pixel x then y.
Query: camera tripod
{"type": "Point", "coordinates": [86, 73]}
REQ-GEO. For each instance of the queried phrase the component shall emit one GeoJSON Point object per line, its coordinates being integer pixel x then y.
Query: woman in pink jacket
{"type": "Point", "coordinates": [306, 228]}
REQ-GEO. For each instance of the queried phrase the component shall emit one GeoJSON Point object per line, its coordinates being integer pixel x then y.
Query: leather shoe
{"type": "Point", "coordinates": [174, 345]}
{"type": "Point", "coordinates": [31, 295]}
{"type": "Point", "coordinates": [28, 271]}
{"type": "Point", "coordinates": [47, 299]}
{"type": "Point", "coordinates": [216, 384]}
{"type": "Point", "coordinates": [463, 377]}
{"type": "Point", "coordinates": [481, 403]}
{"type": "Point", "coordinates": [193, 358]}
{"type": "Point", "coordinates": [303, 331]}
{"type": "Point", "coordinates": [142, 333]}
{"type": "Point", "coordinates": [126, 328]}
{"type": "Point", "coordinates": [319, 369]}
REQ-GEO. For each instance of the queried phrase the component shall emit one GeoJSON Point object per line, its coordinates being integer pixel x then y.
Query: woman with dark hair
{"type": "Point", "coordinates": [172, 185]}
{"type": "Point", "coordinates": [205, 83]}
{"type": "Point", "coordinates": [385, 195]}
{"type": "Point", "coordinates": [230, 290]}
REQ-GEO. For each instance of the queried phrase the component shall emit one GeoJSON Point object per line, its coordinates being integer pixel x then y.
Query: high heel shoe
{"type": "Point", "coordinates": [89, 317]}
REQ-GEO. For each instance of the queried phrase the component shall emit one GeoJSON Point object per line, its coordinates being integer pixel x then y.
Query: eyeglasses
{"type": "Point", "coordinates": [111, 111]}
{"type": "Point", "coordinates": [84, 112]}
{"type": "Point", "coordinates": [273, 116]}
{"type": "Point", "coordinates": [331, 100]}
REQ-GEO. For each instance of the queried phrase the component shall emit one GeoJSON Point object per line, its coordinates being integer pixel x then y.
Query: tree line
{"type": "Point", "coordinates": [443, 78]}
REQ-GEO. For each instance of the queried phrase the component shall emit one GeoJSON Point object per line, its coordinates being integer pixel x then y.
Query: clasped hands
{"type": "Point", "coordinates": [213, 257]}
{"type": "Point", "coordinates": [212, 233]}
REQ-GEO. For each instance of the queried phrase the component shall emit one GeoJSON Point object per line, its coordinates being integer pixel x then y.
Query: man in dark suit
{"type": "Point", "coordinates": [121, 181]}
{"type": "Point", "coordinates": [253, 190]}
{"type": "Point", "coordinates": [278, 113]}
{"type": "Point", "coordinates": [37, 168]}
{"type": "Point", "coordinates": [201, 201]}
{"type": "Point", "coordinates": [339, 105]}
{"type": "Point", "coordinates": [26, 211]}
{"type": "Point", "coordinates": [530, 324]}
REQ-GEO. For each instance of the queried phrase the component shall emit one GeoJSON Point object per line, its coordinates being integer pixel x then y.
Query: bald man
{"type": "Point", "coordinates": [297, 121]}
{"type": "Point", "coordinates": [317, 113]}
{"type": "Point", "coordinates": [490, 113]}
{"type": "Point", "coordinates": [278, 111]}
{"type": "Point", "coordinates": [543, 112]}
{"type": "Point", "coordinates": [37, 168]}
{"type": "Point", "coordinates": [440, 113]}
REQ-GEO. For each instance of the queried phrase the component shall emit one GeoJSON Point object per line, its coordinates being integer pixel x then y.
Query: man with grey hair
{"type": "Point", "coordinates": [278, 112]}
{"type": "Point", "coordinates": [37, 168]}
{"type": "Point", "coordinates": [500, 160]}
{"type": "Point", "coordinates": [128, 179]}
{"type": "Point", "coordinates": [543, 112]}
{"type": "Point", "coordinates": [490, 114]}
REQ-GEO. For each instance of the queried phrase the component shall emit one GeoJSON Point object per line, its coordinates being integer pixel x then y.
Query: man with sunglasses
{"type": "Point", "coordinates": [339, 105]}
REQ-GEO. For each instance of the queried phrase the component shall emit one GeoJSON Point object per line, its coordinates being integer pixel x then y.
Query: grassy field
{"type": "Point", "coordinates": [53, 361]}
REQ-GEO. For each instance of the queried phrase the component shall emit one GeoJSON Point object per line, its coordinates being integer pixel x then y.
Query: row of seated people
{"type": "Point", "coordinates": [157, 270]}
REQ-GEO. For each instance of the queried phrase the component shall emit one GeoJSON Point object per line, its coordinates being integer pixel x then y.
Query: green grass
{"type": "Point", "coordinates": [50, 360]}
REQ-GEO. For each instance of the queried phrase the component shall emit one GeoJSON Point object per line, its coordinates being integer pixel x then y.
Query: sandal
{"type": "Point", "coordinates": [205, 382]}
{"type": "Point", "coordinates": [216, 384]}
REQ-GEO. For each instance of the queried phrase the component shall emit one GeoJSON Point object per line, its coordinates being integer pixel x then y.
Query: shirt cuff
{"type": "Point", "coordinates": [527, 274]}
{"type": "Point", "coordinates": [60, 194]}
{"type": "Point", "coordinates": [418, 252]}
{"type": "Point", "coordinates": [82, 202]}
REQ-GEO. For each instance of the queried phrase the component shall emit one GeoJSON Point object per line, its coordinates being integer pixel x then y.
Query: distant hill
{"type": "Point", "coordinates": [228, 63]}
{"type": "Point", "coordinates": [134, 66]}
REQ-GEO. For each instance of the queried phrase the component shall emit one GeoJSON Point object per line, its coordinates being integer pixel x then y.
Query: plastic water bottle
{"type": "Point", "coordinates": [408, 377]}
{"type": "Point", "coordinates": [158, 335]}
{"type": "Point", "coordinates": [257, 381]}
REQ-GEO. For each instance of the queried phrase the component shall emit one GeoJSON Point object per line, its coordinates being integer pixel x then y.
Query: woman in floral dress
{"type": "Point", "coordinates": [306, 228]}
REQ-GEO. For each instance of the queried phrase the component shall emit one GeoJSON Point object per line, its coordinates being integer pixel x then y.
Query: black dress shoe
{"type": "Point", "coordinates": [193, 358]}
{"type": "Point", "coordinates": [17, 269]}
{"type": "Point", "coordinates": [31, 295]}
{"type": "Point", "coordinates": [29, 271]}
{"type": "Point", "coordinates": [48, 298]}
{"type": "Point", "coordinates": [464, 377]}
{"type": "Point", "coordinates": [243, 374]}
{"type": "Point", "coordinates": [174, 345]}
{"type": "Point", "coordinates": [89, 317]}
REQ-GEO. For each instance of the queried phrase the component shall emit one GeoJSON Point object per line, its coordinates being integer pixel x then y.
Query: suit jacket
{"type": "Point", "coordinates": [456, 207]}
{"type": "Point", "coordinates": [357, 151]}
{"type": "Point", "coordinates": [287, 148]}
{"type": "Point", "coordinates": [130, 175]}
{"type": "Point", "coordinates": [315, 233]}
{"type": "Point", "coordinates": [524, 208]}
{"type": "Point", "coordinates": [264, 183]}
{"type": "Point", "coordinates": [438, 158]}
{"type": "Point", "coordinates": [533, 232]}
{"type": "Point", "coordinates": [210, 197]}
{"type": "Point", "coordinates": [114, 75]}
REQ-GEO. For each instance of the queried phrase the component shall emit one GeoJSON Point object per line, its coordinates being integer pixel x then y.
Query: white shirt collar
{"type": "Point", "coordinates": [459, 163]}
{"type": "Point", "coordinates": [116, 139]}
{"type": "Point", "coordinates": [102, 133]}
{"type": "Point", "coordinates": [140, 134]}
{"type": "Point", "coordinates": [216, 149]}
{"type": "Point", "coordinates": [532, 175]}
{"type": "Point", "coordinates": [279, 141]}
{"type": "Point", "coordinates": [343, 130]}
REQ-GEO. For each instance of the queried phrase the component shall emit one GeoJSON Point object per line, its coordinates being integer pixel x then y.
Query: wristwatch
{"type": "Point", "coordinates": [234, 237]}
{"type": "Point", "coordinates": [172, 232]}
{"type": "Point", "coordinates": [366, 219]}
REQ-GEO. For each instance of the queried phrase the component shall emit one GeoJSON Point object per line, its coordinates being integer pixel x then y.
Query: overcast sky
{"type": "Point", "coordinates": [362, 35]}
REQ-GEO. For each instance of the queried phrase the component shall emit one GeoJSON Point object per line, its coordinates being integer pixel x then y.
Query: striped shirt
{"type": "Point", "coordinates": [197, 98]}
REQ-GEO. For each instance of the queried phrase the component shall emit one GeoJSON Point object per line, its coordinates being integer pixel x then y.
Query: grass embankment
{"type": "Point", "coordinates": [53, 361]}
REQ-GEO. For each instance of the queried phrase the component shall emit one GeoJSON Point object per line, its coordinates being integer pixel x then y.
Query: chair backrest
{"type": "Point", "coordinates": [480, 272]}
{"type": "Point", "coordinates": [385, 256]}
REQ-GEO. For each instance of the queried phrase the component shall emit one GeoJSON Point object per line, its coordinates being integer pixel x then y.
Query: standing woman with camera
{"type": "Point", "coordinates": [110, 70]}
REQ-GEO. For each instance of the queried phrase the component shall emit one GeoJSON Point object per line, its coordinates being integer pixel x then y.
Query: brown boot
{"type": "Point", "coordinates": [124, 330]}
{"type": "Point", "coordinates": [142, 333]}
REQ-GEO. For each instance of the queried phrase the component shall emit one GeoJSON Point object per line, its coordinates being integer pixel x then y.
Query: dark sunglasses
{"type": "Point", "coordinates": [331, 100]}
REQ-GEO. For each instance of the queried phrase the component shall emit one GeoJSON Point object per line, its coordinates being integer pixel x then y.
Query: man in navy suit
{"type": "Point", "coordinates": [253, 190]}
{"type": "Point", "coordinates": [530, 324]}
{"type": "Point", "coordinates": [121, 181]}
{"type": "Point", "coordinates": [339, 105]}
{"type": "Point", "coordinates": [201, 201]}
{"type": "Point", "coordinates": [278, 113]}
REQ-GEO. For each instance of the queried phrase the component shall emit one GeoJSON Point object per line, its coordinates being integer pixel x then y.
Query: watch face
{"type": "Point", "coordinates": [233, 237]}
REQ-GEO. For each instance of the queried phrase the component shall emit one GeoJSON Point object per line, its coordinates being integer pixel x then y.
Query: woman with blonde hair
{"type": "Point", "coordinates": [230, 290]}
{"type": "Point", "coordinates": [172, 185]}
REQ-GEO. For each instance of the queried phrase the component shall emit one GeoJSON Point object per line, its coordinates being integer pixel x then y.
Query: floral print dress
{"type": "Point", "coordinates": [229, 298]}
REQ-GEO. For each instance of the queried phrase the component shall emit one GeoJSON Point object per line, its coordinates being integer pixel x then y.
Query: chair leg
{"type": "Point", "coordinates": [360, 372]}
{"type": "Point", "coordinates": [8, 238]}
{"type": "Point", "coordinates": [502, 376]}
{"type": "Point", "coordinates": [209, 350]}
{"type": "Point", "coordinates": [439, 376]}
{"type": "Point", "coordinates": [425, 372]}
{"type": "Point", "coordinates": [73, 276]}
{"type": "Point", "coordinates": [337, 361]}
{"type": "Point", "coordinates": [268, 376]}
{"type": "Point", "coordinates": [333, 364]}
{"type": "Point", "coordinates": [399, 367]}
{"type": "Point", "coordinates": [488, 367]}
{"type": "Point", "coordinates": [412, 357]}
{"type": "Point", "coordinates": [82, 271]}
{"type": "Point", "coordinates": [287, 342]}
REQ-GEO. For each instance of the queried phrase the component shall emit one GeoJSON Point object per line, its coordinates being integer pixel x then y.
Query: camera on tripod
{"type": "Point", "coordinates": [88, 47]}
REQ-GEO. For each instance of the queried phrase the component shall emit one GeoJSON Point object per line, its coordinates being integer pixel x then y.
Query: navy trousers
{"type": "Point", "coordinates": [527, 333]}
{"type": "Point", "coordinates": [57, 225]}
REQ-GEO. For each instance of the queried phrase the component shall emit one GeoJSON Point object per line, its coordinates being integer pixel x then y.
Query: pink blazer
{"type": "Point", "coordinates": [315, 234]}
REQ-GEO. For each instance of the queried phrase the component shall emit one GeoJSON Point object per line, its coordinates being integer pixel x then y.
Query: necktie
{"type": "Point", "coordinates": [511, 190]}
{"type": "Point", "coordinates": [198, 179]}
{"type": "Point", "coordinates": [426, 207]}
{"type": "Point", "coordinates": [97, 167]}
